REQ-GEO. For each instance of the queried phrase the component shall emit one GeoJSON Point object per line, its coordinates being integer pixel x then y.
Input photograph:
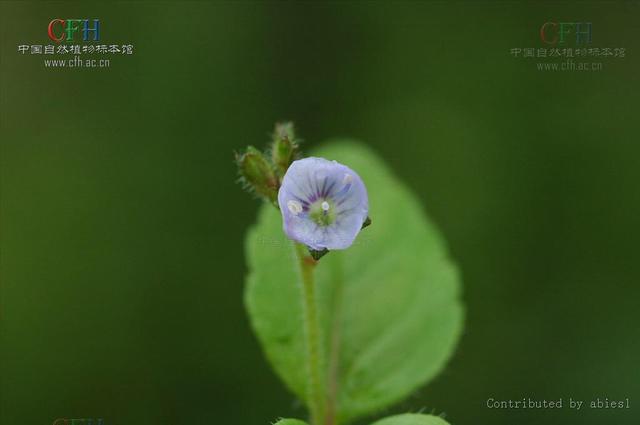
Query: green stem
{"type": "Point", "coordinates": [315, 391]}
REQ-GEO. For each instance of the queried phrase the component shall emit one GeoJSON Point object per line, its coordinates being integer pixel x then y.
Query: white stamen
{"type": "Point", "coordinates": [348, 178]}
{"type": "Point", "coordinates": [294, 206]}
{"type": "Point", "coordinates": [325, 205]}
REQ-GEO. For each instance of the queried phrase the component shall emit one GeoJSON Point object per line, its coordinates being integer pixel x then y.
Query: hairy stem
{"type": "Point", "coordinates": [315, 387]}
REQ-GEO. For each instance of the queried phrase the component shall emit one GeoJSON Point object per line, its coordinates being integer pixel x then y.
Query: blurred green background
{"type": "Point", "coordinates": [121, 225]}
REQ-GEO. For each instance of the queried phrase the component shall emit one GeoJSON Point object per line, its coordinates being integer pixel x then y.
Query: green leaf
{"type": "Point", "coordinates": [389, 305]}
{"type": "Point", "coordinates": [290, 422]}
{"type": "Point", "coordinates": [411, 419]}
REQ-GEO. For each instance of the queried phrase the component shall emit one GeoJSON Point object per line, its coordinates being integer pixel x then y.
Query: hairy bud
{"type": "Point", "coordinates": [257, 174]}
{"type": "Point", "coordinates": [284, 149]}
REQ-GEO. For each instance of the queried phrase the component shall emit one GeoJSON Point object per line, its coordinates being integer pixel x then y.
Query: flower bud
{"type": "Point", "coordinates": [257, 174]}
{"type": "Point", "coordinates": [284, 148]}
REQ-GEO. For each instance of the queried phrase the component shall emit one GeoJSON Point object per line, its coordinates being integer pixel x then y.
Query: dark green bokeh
{"type": "Point", "coordinates": [122, 227]}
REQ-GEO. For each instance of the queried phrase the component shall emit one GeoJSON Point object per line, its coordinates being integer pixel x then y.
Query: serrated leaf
{"type": "Point", "coordinates": [411, 419]}
{"type": "Point", "coordinates": [389, 305]}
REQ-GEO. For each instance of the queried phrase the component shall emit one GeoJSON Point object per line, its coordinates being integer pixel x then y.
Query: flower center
{"type": "Point", "coordinates": [322, 212]}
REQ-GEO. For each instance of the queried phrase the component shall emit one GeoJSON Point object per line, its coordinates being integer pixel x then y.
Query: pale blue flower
{"type": "Point", "coordinates": [323, 203]}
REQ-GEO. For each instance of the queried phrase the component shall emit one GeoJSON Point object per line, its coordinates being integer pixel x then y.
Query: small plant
{"type": "Point", "coordinates": [351, 320]}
